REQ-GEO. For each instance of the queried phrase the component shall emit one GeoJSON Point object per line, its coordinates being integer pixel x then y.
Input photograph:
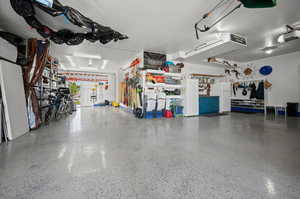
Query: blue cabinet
{"type": "Point", "coordinates": [208, 105]}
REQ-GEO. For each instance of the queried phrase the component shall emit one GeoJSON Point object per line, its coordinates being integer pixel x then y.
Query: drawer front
{"type": "Point", "coordinates": [209, 105]}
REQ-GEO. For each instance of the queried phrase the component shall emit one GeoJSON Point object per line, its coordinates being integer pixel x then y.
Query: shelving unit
{"type": "Point", "coordinates": [49, 73]}
{"type": "Point", "coordinates": [174, 97]}
{"type": "Point", "coordinates": [165, 93]}
{"type": "Point", "coordinates": [244, 104]}
{"type": "Point", "coordinates": [162, 73]}
{"type": "Point", "coordinates": [163, 85]}
{"type": "Point", "coordinates": [248, 105]}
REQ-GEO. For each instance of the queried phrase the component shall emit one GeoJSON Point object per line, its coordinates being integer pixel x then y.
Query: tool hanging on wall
{"type": "Point", "coordinates": [268, 84]}
{"type": "Point", "coordinates": [225, 8]}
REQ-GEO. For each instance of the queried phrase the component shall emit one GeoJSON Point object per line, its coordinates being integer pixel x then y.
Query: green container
{"type": "Point", "coordinates": [259, 3]}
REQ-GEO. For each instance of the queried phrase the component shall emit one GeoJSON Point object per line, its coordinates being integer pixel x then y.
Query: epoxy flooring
{"type": "Point", "coordinates": [106, 153]}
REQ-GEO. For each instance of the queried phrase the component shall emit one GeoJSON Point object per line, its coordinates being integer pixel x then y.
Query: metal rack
{"type": "Point", "coordinates": [248, 103]}
{"type": "Point", "coordinates": [51, 74]}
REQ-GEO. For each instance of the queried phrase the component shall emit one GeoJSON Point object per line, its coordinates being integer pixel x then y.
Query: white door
{"type": "Point", "coordinates": [225, 98]}
{"type": "Point", "coordinates": [191, 97]}
{"type": "Point", "coordinates": [85, 94]}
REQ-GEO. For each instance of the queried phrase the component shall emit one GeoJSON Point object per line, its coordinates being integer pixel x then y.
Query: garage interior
{"type": "Point", "coordinates": [149, 99]}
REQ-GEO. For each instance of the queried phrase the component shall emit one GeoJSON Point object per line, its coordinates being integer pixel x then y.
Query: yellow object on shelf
{"type": "Point", "coordinates": [115, 104]}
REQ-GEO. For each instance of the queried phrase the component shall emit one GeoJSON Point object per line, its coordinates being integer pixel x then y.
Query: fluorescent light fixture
{"type": "Point", "coordinates": [268, 52]}
{"type": "Point", "coordinates": [62, 67]}
{"type": "Point", "coordinates": [71, 61]}
{"type": "Point", "coordinates": [105, 62]}
{"type": "Point", "coordinates": [88, 68]}
{"type": "Point", "coordinates": [281, 39]}
{"type": "Point", "coordinates": [87, 56]}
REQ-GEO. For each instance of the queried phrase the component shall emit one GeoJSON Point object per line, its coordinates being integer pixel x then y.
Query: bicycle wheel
{"type": "Point", "coordinates": [48, 116]}
{"type": "Point", "coordinates": [70, 108]}
{"type": "Point", "coordinates": [59, 112]}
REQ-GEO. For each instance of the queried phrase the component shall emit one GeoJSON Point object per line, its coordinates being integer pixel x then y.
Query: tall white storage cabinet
{"type": "Point", "coordinates": [191, 97]}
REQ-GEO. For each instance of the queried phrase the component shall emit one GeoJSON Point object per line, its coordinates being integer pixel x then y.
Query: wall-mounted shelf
{"type": "Point", "coordinates": [163, 73]}
{"type": "Point", "coordinates": [162, 85]}
{"type": "Point", "coordinates": [174, 97]}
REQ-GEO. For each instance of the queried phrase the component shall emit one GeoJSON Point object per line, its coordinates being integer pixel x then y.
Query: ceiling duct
{"type": "Point", "coordinates": [221, 44]}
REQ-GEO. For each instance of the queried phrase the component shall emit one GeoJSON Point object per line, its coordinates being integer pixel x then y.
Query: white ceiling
{"type": "Point", "coordinates": [166, 26]}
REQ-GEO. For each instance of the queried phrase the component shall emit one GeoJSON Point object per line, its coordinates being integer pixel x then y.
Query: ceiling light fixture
{"type": "Point", "coordinates": [270, 49]}
{"type": "Point", "coordinates": [105, 62]}
{"type": "Point", "coordinates": [81, 55]}
{"type": "Point", "coordinates": [71, 61]}
{"type": "Point", "coordinates": [62, 67]}
{"type": "Point", "coordinates": [281, 39]}
{"type": "Point", "coordinates": [90, 62]}
{"type": "Point", "coordinates": [291, 34]}
{"type": "Point", "coordinates": [268, 52]}
{"type": "Point", "coordinates": [88, 68]}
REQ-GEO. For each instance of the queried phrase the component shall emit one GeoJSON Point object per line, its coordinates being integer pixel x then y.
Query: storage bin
{"type": "Point", "coordinates": [292, 109]}
{"type": "Point", "coordinates": [149, 115]}
{"type": "Point", "coordinates": [158, 114]}
{"type": "Point", "coordinates": [177, 111]}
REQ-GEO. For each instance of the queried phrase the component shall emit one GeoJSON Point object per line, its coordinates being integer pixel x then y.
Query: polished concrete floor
{"type": "Point", "coordinates": [106, 153]}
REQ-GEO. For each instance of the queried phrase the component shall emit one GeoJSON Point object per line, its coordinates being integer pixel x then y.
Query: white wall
{"type": "Point", "coordinates": [7, 50]}
{"type": "Point", "coordinates": [202, 68]}
{"type": "Point", "coordinates": [285, 78]}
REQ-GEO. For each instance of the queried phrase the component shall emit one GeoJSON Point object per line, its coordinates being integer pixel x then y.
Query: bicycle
{"type": "Point", "coordinates": [52, 107]}
{"type": "Point", "coordinates": [65, 103]}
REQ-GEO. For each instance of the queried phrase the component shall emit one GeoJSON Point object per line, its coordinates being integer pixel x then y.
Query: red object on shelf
{"type": "Point", "coordinates": [168, 114]}
{"type": "Point", "coordinates": [166, 69]}
{"type": "Point", "coordinates": [158, 78]}
{"type": "Point", "coordinates": [137, 61]}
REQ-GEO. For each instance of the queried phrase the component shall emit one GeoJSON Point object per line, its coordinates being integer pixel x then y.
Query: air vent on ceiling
{"type": "Point", "coordinates": [222, 44]}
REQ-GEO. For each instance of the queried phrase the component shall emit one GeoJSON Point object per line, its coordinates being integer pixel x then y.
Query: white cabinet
{"type": "Point", "coordinates": [191, 97]}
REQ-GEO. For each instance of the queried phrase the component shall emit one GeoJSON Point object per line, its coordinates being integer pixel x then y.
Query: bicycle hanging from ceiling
{"type": "Point", "coordinates": [94, 31]}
